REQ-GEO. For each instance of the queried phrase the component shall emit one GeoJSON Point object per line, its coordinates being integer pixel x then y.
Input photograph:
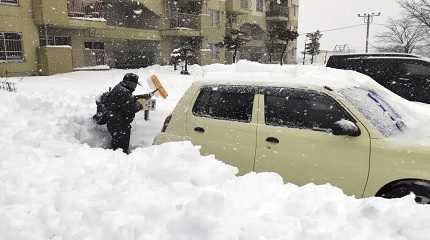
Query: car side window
{"type": "Point", "coordinates": [415, 68]}
{"type": "Point", "coordinates": [225, 102]}
{"type": "Point", "coordinates": [304, 109]}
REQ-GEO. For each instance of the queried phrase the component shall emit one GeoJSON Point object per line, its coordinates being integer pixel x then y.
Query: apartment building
{"type": "Point", "coordinates": [53, 36]}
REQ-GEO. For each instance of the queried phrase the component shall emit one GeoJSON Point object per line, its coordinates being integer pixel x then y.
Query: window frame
{"type": "Point", "coordinates": [253, 90]}
{"type": "Point", "coordinates": [9, 4]}
{"type": "Point", "coordinates": [259, 6]}
{"type": "Point", "coordinates": [319, 93]}
{"type": "Point", "coordinates": [3, 42]}
{"type": "Point", "coordinates": [215, 16]}
{"type": "Point", "coordinates": [54, 39]}
{"type": "Point", "coordinates": [244, 4]}
{"type": "Point", "coordinates": [215, 51]}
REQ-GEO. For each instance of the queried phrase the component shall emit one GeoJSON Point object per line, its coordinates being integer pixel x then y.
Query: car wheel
{"type": "Point", "coordinates": [422, 195]}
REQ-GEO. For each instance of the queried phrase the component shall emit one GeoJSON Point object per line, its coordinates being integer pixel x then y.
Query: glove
{"type": "Point", "coordinates": [139, 106]}
{"type": "Point", "coordinates": [147, 96]}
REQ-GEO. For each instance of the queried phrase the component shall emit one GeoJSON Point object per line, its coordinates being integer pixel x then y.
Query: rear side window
{"type": "Point", "coordinates": [225, 102]}
{"type": "Point", "coordinates": [415, 68]}
{"type": "Point", "coordinates": [305, 109]}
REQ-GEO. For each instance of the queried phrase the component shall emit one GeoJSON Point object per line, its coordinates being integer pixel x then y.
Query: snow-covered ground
{"type": "Point", "coordinates": [57, 182]}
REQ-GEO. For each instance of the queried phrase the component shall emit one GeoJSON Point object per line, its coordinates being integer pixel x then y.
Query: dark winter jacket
{"type": "Point", "coordinates": [121, 105]}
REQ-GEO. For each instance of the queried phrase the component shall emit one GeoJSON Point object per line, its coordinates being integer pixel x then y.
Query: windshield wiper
{"type": "Point", "coordinates": [398, 122]}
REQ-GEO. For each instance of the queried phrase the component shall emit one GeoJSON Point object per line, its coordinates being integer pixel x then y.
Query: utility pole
{"type": "Point", "coordinates": [304, 51]}
{"type": "Point", "coordinates": [368, 18]}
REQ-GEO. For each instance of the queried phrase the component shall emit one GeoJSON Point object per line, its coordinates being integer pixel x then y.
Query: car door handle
{"type": "Point", "coordinates": [272, 140]}
{"type": "Point", "coordinates": [199, 129]}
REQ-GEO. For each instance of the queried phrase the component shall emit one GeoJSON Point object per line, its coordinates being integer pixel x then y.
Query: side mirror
{"type": "Point", "coordinates": [345, 128]}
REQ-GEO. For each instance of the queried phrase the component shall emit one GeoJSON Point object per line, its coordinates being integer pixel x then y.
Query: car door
{"type": "Point", "coordinates": [294, 140]}
{"type": "Point", "coordinates": [222, 122]}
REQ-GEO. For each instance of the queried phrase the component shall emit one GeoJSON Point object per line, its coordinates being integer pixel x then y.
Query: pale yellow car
{"type": "Point", "coordinates": [307, 134]}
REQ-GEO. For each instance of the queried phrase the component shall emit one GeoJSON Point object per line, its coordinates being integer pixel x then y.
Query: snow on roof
{"type": "Point", "coordinates": [57, 46]}
{"type": "Point", "coordinates": [378, 54]}
{"type": "Point", "coordinates": [394, 57]}
{"type": "Point", "coordinates": [252, 73]}
{"type": "Point", "coordinates": [90, 19]}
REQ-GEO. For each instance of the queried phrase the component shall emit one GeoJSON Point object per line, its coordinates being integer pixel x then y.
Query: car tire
{"type": "Point", "coordinates": [422, 194]}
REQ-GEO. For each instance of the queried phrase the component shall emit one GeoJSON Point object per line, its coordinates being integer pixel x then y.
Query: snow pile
{"type": "Point", "coordinates": [57, 183]}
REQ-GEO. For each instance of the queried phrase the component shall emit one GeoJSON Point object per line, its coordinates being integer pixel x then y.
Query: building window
{"type": "Point", "coordinates": [11, 46]}
{"type": "Point", "coordinates": [215, 17]}
{"type": "Point", "coordinates": [244, 4]}
{"type": "Point", "coordinates": [94, 45]}
{"type": "Point", "coordinates": [14, 2]}
{"type": "Point", "coordinates": [86, 8]}
{"type": "Point", "coordinates": [55, 40]}
{"type": "Point", "coordinates": [231, 20]}
{"type": "Point", "coordinates": [214, 51]}
{"type": "Point", "coordinates": [94, 53]}
{"type": "Point", "coordinates": [260, 5]}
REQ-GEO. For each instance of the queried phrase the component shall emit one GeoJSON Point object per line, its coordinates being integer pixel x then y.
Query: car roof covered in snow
{"type": "Point", "coordinates": [365, 55]}
{"type": "Point", "coordinates": [297, 76]}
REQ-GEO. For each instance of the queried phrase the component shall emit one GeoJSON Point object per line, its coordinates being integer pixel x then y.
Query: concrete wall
{"type": "Point", "coordinates": [55, 59]}
{"type": "Point", "coordinates": [20, 19]}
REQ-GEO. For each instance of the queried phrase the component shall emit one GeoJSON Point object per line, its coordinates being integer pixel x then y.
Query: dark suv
{"type": "Point", "coordinates": [404, 74]}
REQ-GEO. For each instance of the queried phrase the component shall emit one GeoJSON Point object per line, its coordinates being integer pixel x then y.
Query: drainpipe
{"type": "Point", "coordinates": [46, 35]}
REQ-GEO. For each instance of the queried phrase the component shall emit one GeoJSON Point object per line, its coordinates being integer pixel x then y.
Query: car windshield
{"type": "Point", "coordinates": [381, 114]}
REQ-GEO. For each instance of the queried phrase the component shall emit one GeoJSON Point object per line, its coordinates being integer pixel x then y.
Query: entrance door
{"type": "Point", "coordinates": [222, 122]}
{"type": "Point", "coordinates": [294, 140]}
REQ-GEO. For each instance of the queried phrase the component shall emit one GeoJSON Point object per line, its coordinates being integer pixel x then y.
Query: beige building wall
{"type": "Point", "coordinates": [29, 15]}
{"type": "Point", "coordinates": [213, 33]}
{"type": "Point", "coordinates": [19, 18]}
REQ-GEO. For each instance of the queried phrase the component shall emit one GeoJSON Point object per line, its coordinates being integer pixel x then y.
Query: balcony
{"type": "Point", "coordinates": [238, 7]}
{"type": "Point", "coordinates": [277, 12]}
{"type": "Point", "coordinates": [92, 9]}
{"type": "Point", "coordinates": [185, 20]}
{"type": "Point", "coordinates": [182, 24]}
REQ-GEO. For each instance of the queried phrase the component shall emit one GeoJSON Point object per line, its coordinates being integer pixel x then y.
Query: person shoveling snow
{"type": "Point", "coordinates": [117, 109]}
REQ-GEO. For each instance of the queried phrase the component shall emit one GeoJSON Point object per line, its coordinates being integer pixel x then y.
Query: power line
{"type": "Point", "coordinates": [339, 28]}
{"type": "Point", "coordinates": [368, 19]}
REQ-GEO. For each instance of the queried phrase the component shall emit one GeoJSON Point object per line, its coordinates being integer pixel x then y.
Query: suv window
{"type": "Point", "coordinates": [302, 109]}
{"type": "Point", "coordinates": [232, 103]}
{"type": "Point", "coordinates": [415, 68]}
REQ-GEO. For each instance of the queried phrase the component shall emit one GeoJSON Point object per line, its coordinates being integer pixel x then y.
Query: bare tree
{"type": "Point", "coordinates": [402, 35]}
{"type": "Point", "coordinates": [418, 10]}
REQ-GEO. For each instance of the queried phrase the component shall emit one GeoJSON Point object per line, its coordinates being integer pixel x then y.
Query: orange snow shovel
{"type": "Point", "coordinates": [155, 84]}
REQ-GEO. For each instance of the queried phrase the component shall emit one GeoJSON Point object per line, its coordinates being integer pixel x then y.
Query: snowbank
{"type": "Point", "coordinates": [57, 183]}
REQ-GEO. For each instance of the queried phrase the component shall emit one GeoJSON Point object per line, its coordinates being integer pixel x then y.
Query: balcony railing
{"type": "Point", "coordinates": [184, 20]}
{"type": "Point", "coordinates": [277, 11]}
{"type": "Point", "coordinates": [86, 8]}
